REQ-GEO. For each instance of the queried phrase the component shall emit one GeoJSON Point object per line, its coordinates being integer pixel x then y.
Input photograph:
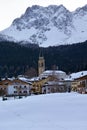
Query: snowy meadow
{"type": "Point", "coordinates": [60, 111]}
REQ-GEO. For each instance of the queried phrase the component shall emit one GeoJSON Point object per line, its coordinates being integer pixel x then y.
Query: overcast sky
{"type": "Point", "coordinates": [11, 9]}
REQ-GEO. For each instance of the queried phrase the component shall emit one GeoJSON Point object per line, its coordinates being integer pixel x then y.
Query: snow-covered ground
{"type": "Point", "coordinates": [60, 111]}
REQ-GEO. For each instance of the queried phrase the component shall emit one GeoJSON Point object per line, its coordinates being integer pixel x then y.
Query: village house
{"type": "Point", "coordinates": [37, 85]}
{"type": "Point", "coordinates": [79, 82]}
{"type": "Point", "coordinates": [15, 87]}
{"type": "Point", "coordinates": [19, 87]}
{"type": "Point", "coordinates": [54, 87]}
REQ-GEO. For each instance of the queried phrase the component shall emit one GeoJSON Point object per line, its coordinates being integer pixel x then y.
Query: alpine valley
{"type": "Point", "coordinates": [48, 26]}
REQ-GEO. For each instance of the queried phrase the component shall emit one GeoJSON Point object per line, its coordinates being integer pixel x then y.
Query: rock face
{"type": "Point", "coordinates": [48, 26]}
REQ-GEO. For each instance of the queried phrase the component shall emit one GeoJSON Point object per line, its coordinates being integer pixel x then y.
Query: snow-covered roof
{"type": "Point", "coordinates": [54, 83]}
{"type": "Point", "coordinates": [34, 79]}
{"type": "Point", "coordinates": [60, 74]}
{"type": "Point", "coordinates": [23, 79]}
{"type": "Point", "coordinates": [53, 71]}
{"type": "Point", "coordinates": [77, 75]}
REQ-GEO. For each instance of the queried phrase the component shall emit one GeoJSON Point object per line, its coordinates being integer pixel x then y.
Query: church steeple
{"type": "Point", "coordinates": [41, 64]}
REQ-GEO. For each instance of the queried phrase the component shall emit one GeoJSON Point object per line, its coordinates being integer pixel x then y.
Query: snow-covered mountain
{"type": "Point", "coordinates": [48, 26]}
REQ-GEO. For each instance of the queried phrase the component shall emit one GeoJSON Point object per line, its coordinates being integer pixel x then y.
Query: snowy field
{"type": "Point", "coordinates": [65, 111]}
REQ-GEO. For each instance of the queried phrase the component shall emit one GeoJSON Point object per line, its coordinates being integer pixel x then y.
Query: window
{"type": "Point", "coordinates": [20, 92]}
{"type": "Point", "coordinates": [6, 83]}
{"type": "Point", "coordinates": [24, 86]}
{"type": "Point", "coordinates": [15, 86]}
{"type": "Point", "coordinates": [15, 91]}
{"type": "Point", "coordinates": [25, 91]}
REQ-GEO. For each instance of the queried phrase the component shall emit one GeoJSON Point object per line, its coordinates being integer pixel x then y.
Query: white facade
{"type": "Point", "coordinates": [54, 87]}
{"type": "Point", "coordinates": [18, 89]}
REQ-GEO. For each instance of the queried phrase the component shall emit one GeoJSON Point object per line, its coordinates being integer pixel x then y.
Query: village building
{"type": "Point", "coordinates": [3, 86]}
{"type": "Point", "coordinates": [54, 87]}
{"type": "Point", "coordinates": [68, 83]}
{"type": "Point", "coordinates": [19, 87]}
{"type": "Point", "coordinates": [15, 87]}
{"type": "Point", "coordinates": [37, 85]}
{"type": "Point", "coordinates": [79, 82]}
{"type": "Point", "coordinates": [48, 84]}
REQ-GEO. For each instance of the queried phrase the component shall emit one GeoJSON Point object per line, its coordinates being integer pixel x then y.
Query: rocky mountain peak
{"type": "Point", "coordinates": [51, 25]}
{"type": "Point", "coordinates": [38, 16]}
{"type": "Point", "coordinates": [81, 11]}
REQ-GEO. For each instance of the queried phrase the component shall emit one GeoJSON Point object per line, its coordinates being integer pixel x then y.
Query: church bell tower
{"type": "Point", "coordinates": [41, 65]}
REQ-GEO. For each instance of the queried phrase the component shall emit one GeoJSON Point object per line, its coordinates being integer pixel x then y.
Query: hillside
{"type": "Point", "coordinates": [16, 59]}
{"type": "Point", "coordinates": [66, 111]}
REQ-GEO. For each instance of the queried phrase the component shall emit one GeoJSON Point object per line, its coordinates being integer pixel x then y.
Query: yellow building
{"type": "Point", "coordinates": [38, 84]}
{"type": "Point", "coordinates": [74, 85]}
{"type": "Point", "coordinates": [80, 84]}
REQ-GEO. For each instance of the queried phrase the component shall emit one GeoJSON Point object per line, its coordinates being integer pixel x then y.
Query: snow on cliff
{"type": "Point", "coordinates": [48, 26]}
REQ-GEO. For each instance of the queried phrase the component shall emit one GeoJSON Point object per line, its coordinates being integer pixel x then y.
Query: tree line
{"type": "Point", "coordinates": [17, 59]}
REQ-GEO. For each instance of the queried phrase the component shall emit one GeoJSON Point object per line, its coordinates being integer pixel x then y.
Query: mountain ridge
{"type": "Point", "coordinates": [48, 26]}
